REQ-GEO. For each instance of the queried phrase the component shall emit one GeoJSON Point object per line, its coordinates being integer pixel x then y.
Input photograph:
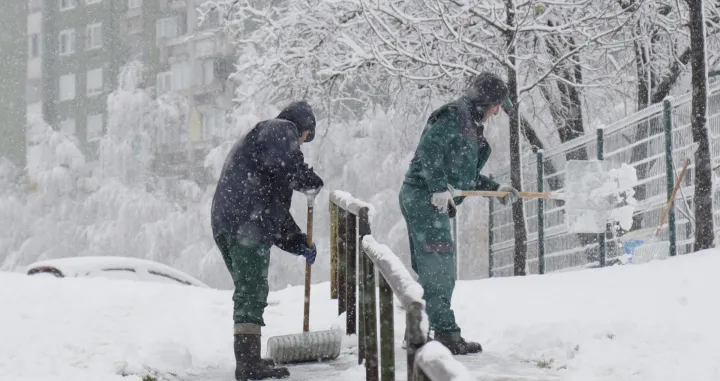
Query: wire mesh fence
{"type": "Point", "coordinates": [640, 140]}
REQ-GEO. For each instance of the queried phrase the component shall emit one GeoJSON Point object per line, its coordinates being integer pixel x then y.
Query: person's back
{"type": "Point", "coordinates": [251, 213]}
{"type": "Point", "coordinates": [254, 189]}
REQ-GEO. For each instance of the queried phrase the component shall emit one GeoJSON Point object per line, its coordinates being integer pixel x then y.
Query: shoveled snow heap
{"type": "Point", "coordinates": [596, 194]}
{"type": "Point", "coordinates": [652, 322]}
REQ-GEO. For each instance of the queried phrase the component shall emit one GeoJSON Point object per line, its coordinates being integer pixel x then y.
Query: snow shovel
{"type": "Point", "coordinates": [653, 248]}
{"type": "Point", "coordinates": [306, 346]}
{"type": "Point", "coordinates": [592, 193]}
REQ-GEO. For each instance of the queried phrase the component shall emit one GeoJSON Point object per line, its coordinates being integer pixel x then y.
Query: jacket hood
{"type": "Point", "coordinates": [301, 115]}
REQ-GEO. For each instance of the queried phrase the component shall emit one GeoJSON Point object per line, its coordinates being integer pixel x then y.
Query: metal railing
{"type": "Point", "coordinates": [358, 288]}
{"type": "Point", "coordinates": [655, 141]}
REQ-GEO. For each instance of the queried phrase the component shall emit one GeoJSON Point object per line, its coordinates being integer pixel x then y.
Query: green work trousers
{"type": "Point", "coordinates": [248, 261]}
{"type": "Point", "coordinates": [432, 256]}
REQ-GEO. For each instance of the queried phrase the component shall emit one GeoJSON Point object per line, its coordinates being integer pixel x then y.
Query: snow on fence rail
{"type": "Point", "coordinates": [354, 284]}
{"type": "Point", "coordinates": [655, 141]}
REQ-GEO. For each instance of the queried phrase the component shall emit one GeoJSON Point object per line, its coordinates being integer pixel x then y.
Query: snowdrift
{"type": "Point", "coordinates": [656, 321]}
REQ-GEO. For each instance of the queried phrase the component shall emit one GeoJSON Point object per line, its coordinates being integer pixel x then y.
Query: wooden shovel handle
{"type": "Point", "coordinates": [308, 269]}
{"type": "Point", "coordinates": [503, 194]}
{"type": "Point", "coordinates": [669, 203]}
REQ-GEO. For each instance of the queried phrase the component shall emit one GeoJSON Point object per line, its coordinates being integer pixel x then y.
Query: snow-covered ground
{"type": "Point", "coordinates": [656, 321]}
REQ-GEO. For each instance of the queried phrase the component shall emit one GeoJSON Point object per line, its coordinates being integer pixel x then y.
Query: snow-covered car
{"type": "Point", "coordinates": [113, 268]}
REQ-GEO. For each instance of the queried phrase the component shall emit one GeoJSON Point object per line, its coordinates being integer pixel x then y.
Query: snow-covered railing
{"type": "Point", "coordinates": [426, 361]}
{"type": "Point", "coordinates": [350, 218]}
{"type": "Point", "coordinates": [354, 285]}
{"type": "Point", "coordinates": [347, 214]}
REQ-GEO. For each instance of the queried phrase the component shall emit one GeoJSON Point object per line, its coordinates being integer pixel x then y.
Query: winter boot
{"type": "Point", "coordinates": [457, 345]}
{"type": "Point", "coordinates": [248, 363]}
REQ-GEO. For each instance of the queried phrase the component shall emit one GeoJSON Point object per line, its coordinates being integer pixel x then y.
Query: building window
{"type": "Point", "coordinates": [67, 87]}
{"type": "Point", "coordinates": [68, 126]}
{"type": "Point", "coordinates": [66, 4]}
{"type": "Point", "coordinates": [135, 25]}
{"type": "Point", "coordinates": [67, 42]}
{"type": "Point", "coordinates": [164, 82]}
{"type": "Point", "coordinates": [93, 36]}
{"type": "Point", "coordinates": [166, 28]}
{"type": "Point", "coordinates": [135, 45]}
{"type": "Point", "coordinates": [181, 75]}
{"type": "Point", "coordinates": [210, 20]}
{"type": "Point", "coordinates": [94, 127]}
{"type": "Point", "coordinates": [213, 122]}
{"type": "Point", "coordinates": [34, 4]}
{"type": "Point", "coordinates": [34, 45]}
{"type": "Point", "coordinates": [134, 4]}
{"type": "Point", "coordinates": [35, 109]}
{"type": "Point", "coordinates": [205, 73]}
{"type": "Point", "coordinates": [94, 81]}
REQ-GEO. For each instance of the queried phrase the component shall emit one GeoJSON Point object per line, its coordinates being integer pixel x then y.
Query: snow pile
{"type": "Point", "coordinates": [654, 322]}
{"type": "Point", "coordinates": [595, 194]}
{"type": "Point", "coordinates": [101, 329]}
{"type": "Point", "coordinates": [650, 322]}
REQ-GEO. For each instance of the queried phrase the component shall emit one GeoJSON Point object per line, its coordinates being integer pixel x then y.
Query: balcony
{"type": "Point", "coordinates": [211, 44]}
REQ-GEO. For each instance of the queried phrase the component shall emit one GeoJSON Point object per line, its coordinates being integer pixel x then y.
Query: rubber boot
{"type": "Point", "coordinates": [457, 345]}
{"type": "Point", "coordinates": [248, 363]}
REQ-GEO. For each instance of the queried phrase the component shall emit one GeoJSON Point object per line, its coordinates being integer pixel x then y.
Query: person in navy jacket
{"type": "Point", "coordinates": [251, 213]}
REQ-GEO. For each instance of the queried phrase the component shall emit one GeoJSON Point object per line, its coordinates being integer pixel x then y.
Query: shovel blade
{"type": "Point", "coordinates": [305, 347]}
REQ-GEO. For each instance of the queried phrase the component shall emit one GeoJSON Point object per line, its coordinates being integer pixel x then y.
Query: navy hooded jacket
{"type": "Point", "coordinates": [254, 193]}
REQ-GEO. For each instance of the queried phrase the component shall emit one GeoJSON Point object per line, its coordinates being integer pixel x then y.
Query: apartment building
{"type": "Point", "coordinates": [12, 77]}
{"type": "Point", "coordinates": [192, 60]}
{"type": "Point", "coordinates": [77, 48]}
{"type": "Point", "coordinates": [75, 52]}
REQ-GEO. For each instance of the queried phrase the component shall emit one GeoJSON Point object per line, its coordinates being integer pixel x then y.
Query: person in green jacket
{"type": "Point", "coordinates": [451, 153]}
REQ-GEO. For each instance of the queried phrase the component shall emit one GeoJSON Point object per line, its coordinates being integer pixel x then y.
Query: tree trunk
{"type": "Point", "coordinates": [704, 231]}
{"type": "Point", "coordinates": [651, 89]}
{"type": "Point", "coordinates": [518, 211]}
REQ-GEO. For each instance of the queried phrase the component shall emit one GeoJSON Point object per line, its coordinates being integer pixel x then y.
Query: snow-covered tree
{"type": "Point", "coordinates": [125, 149]}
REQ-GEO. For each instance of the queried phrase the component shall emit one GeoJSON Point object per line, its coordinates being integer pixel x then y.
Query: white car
{"type": "Point", "coordinates": [113, 268]}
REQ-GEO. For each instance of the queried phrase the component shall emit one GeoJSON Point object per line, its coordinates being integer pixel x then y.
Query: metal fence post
{"type": "Point", "coordinates": [361, 306]}
{"type": "Point", "coordinates": [342, 255]}
{"type": "Point", "coordinates": [370, 310]}
{"type": "Point", "coordinates": [333, 250]}
{"type": "Point", "coordinates": [601, 157]}
{"type": "Point", "coordinates": [387, 332]}
{"type": "Point", "coordinates": [490, 234]}
{"type": "Point", "coordinates": [540, 214]}
{"type": "Point", "coordinates": [669, 172]}
{"type": "Point", "coordinates": [363, 230]}
{"type": "Point", "coordinates": [350, 273]}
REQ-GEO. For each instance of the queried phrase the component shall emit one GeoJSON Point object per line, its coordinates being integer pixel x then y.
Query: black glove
{"type": "Point", "coordinates": [309, 253]}
{"type": "Point", "coordinates": [306, 180]}
{"type": "Point", "coordinates": [512, 197]}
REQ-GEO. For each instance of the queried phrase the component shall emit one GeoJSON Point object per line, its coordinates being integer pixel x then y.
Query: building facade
{"type": "Point", "coordinates": [14, 53]}
{"type": "Point", "coordinates": [74, 64]}
{"type": "Point", "coordinates": [78, 47]}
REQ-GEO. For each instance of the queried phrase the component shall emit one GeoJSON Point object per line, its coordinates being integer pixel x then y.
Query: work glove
{"type": "Point", "coordinates": [512, 197]}
{"type": "Point", "coordinates": [309, 253]}
{"type": "Point", "coordinates": [441, 200]}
